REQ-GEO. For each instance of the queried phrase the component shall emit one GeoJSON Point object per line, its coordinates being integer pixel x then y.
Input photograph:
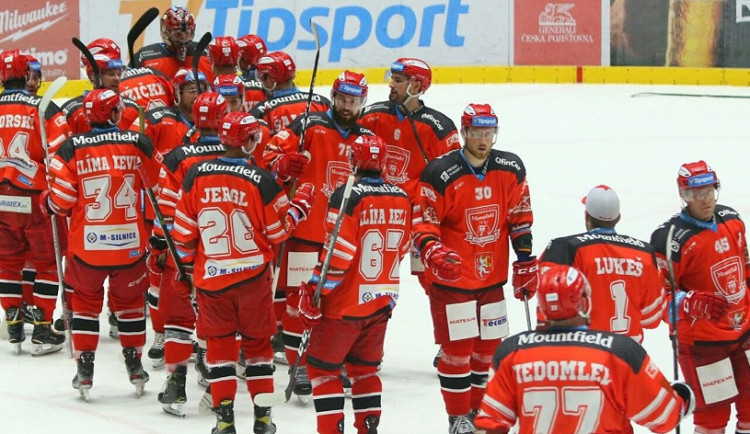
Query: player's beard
{"type": "Point", "coordinates": [394, 97]}
{"type": "Point", "coordinates": [347, 120]}
{"type": "Point", "coordinates": [479, 154]}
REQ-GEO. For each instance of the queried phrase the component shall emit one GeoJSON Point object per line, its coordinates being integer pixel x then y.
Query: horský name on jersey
{"type": "Point", "coordinates": [576, 336]}
{"type": "Point", "coordinates": [17, 121]}
{"type": "Point", "coordinates": [232, 168]}
{"type": "Point", "coordinates": [615, 238]}
{"type": "Point", "coordinates": [202, 149]}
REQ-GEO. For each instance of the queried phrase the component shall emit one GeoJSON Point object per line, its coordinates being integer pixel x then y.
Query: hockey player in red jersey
{"type": "Point", "coordinates": [571, 379]}
{"type": "Point", "coordinates": [177, 49]}
{"type": "Point", "coordinates": [473, 204]}
{"type": "Point", "coordinates": [710, 259]}
{"type": "Point", "coordinates": [628, 292]}
{"type": "Point", "coordinates": [34, 80]}
{"type": "Point", "coordinates": [97, 182]}
{"type": "Point", "coordinates": [230, 215]}
{"type": "Point", "coordinates": [252, 48]}
{"type": "Point", "coordinates": [285, 101]}
{"type": "Point", "coordinates": [25, 231]}
{"type": "Point", "coordinates": [359, 293]}
{"type": "Point", "coordinates": [148, 87]}
{"type": "Point", "coordinates": [108, 59]}
{"type": "Point", "coordinates": [174, 303]}
{"type": "Point", "coordinates": [323, 162]}
{"type": "Point", "coordinates": [224, 54]}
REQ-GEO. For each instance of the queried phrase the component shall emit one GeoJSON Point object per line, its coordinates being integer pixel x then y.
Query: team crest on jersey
{"type": "Point", "coordinates": [396, 162]}
{"type": "Point", "coordinates": [482, 223]}
{"type": "Point", "coordinates": [726, 277]}
{"type": "Point", "coordinates": [336, 174]}
{"type": "Point", "coordinates": [483, 264]}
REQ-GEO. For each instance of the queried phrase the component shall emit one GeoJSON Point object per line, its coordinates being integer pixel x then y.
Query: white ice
{"type": "Point", "coordinates": [570, 137]}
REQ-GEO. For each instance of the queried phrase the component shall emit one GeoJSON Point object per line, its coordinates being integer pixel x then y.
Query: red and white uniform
{"type": "Point", "coordinates": [73, 110]}
{"type": "Point", "coordinates": [284, 106]}
{"type": "Point", "coordinates": [24, 229]}
{"type": "Point", "coordinates": [406, 161]}
{"type": "Point", "coordinates": [374, 236]}
{"type": "Point", "coordinates": [167, 128]}
{"type": "Point", "coordinates": [158, 57]}
{"type": "Point", "coordinates": [626, 285]}
{"type": "Point", "coordinates": [254, 93]}
{"type": "Point", "coordinates": [712, 257]}
{"type": "Point", "coordinates": [576, 381]}
{"type": "Point", "coordinates": [148, 87]}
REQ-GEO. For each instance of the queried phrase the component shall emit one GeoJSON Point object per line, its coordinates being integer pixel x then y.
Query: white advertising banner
{"type": "Point", "coordinates": [354, 33]}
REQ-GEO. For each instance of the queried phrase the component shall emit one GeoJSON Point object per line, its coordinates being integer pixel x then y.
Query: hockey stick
{"type": "Point", "coordinates": [636, 95]}
{"type": "Point", "coordinates": [416, 134]}
{"type": "Point", "coordinates": [673, 306]}
{"type": "Point", "coordinates": [52, 90]}
{"type": "Point", "coordinates": [90, 58]}
{"type": "Point", "coordinates": [200, 48]}
{"type": "Point", "coordinates": [162, 223]}
{"type": "Point", "coordinates": [135, 32]}
{"type": "Point", "coordinates": [526, 307]}
{"type": "Point", "coordinates": [293, 189]}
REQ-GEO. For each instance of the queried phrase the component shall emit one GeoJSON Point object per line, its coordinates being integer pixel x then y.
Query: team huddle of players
{"type": "Point", "coordinates": [243, 169]}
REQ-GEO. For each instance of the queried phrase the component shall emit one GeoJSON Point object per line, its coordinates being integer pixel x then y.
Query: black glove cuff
{"type": "Point", "coordinates": [158, 243]}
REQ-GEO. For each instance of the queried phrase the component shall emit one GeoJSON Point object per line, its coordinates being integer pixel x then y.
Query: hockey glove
{"type": "Point", "coordinates": [704, 305]}
{"type": "Point", "coordinates": [184, 286]}
{"type": "Point", "coordinates": [46, 204]}
{"type": "Point", "coordinates": [309, 314]}
{"type": "Point", "coordinates": [525, 278]}
{"type": "Point", "coordinates": [302, 202]}
{"type": "Point", "coordinates": [292, 165]}
{"type": "Point", "coordinates": [687, 395]}
{"type": "Point", "coordinates": [156, 254]}
{"type": "Point", "coordinates": [443, 261]}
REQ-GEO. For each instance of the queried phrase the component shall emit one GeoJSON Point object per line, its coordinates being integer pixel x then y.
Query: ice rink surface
{"type": "Point", "coordinates": [570, 137]}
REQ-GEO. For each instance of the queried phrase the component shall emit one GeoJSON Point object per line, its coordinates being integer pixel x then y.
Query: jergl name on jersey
{"type": "Point", "coordinates": [621, 266]}
{"type": "Point", "coordinates": [99, 164]}
{"type": "Point", "coordinates": [224, 194]}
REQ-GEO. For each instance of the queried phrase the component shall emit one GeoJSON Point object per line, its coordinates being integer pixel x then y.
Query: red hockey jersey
{"type": "Point", "coordinates": [156, 56]}
{"type": "Point", "coordinates": [73, 110]}
{"type": "Point", "coordinates": [375, 235]}
{"type": "Point", "coordinates": [283, 106]}
{"type": "Point", "coordinates": [96, 177]}
{"type": "Point", "coordinates": [711, 261]}
{"type": "Point", "coordinates": [577, 381]}
{"type": "Point", "coordinates": [328, 168]}
{"type": "Point", "coordinates": [475, 214]}
{"type": "Point", "coordinates": [148, 87]}
{"type": "Point", "coordinates": [254, 93]}
{"type": "Point", "coordinates": [229, 216]}
{"type": "Point", "coordinates": [408, 154]}
{"type": "Point", "coordinates": [626, 285]}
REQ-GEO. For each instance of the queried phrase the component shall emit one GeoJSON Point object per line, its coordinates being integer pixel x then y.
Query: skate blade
{"type": "Point", "coordinates": [84, 394]}
{"type": "Point", "coordinates": [303, 399]}
{"type": "Point", "coordinates": [239, 372]}
{"type": "Point", "coordinates": [157, 363]}
{"type": "Point", "coordinates": [4, 330]}
{"type": "Point", "coordinates": [202, 381]}
{"type": "Point", "coordinates": [269, 399]}
{"type": "Point", "coordinates": [174, 409]}
{"type": "Point", "coordinates": [16, 348]}
{"type": "Point", "coordinates": [43, 349]}
{"type": "Point", "coordinates": [140, 388]}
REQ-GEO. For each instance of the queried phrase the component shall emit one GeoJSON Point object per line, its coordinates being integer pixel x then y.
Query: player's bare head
{"type": "Point", "coordinates": [276, 70]}
{"type": "Point", "coordinates": [209, 109]}
{"type": "Point", "coordinates": [699, 189]}
{"type": "Point", "coordinates": [102, 107]}
{"type": "Point", "coordinates": [479, 126]}
{"type": "Point", "coordinates": [177, 30]}
{"type": "Point", "coordinates": [185, 87]}
{"type": "Point", "coordinates": [224, 54]}
{"type": "Point", "coordinates": [348, 94]}
{"type": "Point", "coordinates": [108, 59]}
{"type": "Point", "coordinates": [240, 131]}
{"type": "Point", "coordinates": [602, 207]}
{"type": "Point", "coordinates": [367, 155]}
{"type": "Point", "coordinates": [409, 78]}
{"type": "Point", "coordinates": [232, 88]}
{"type": "Point", "coordinates": [251, 48]}
{"type": "Point", "coordinates": [14, 69]}
{"type": "Point", "coordinates": [564, 294]}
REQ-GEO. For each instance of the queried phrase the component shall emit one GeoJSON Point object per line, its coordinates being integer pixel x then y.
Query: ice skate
{"type": "Point", "coordinates": [84, 378]}
{"type": "Point", "coordinates": [173, 398]}
{"type": "Point", "coordinates": [114, 332]}
{"type": "Point", "coordinates": [437, 357]}
{"type": "Point", "coordinates": [138, 377]}
{"type": "Point", "coordinates": [45, 340]}
{"type": "Point", "coordinates": [263, 422]}
{"type": "Point", "coordinates": [28, 313]}
{"type": "Point", "coordinates": [279, 353]}
{"type": "Point", "coordinates": [461, 425]}
{"type": "Point", "coordinates": [201, 368]}
{"type": "Point", "coordinates": [346, 383]}
{"type": "Point", "coordinates": [156, 352]}
{"type": "Point", "coordinates": [225, 418]}
{"type": "Point", "coordinates": [16, 333]}
{"type": "Point", "coordinates": [207, 404]}
{"type": "Point", "coordinates": [302, 385]}
{"type": "Point", "coordinates": [240, 366]}
{"type": "Point", "coordinates": [371, 423]}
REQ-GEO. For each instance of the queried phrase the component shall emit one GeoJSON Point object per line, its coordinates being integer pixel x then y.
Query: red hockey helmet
{"type": "Point", "coordinates": [223, 51]}
{"type": "Point", "coordinates": [183, 77]}
{"type": "Point", "coordinates": [368, 153]}
{"type": "Point", "coordinates": [414, 68]}
{"type": "Point", "coordinates": [278, 66]}
{"type": "Point", "coordinates": [564, 292]}
{"type": "Point", "coordinates": [208, 110]}
{"type": "Point", "coordinates": [106, 54]}
{"type": "Point", "coordinates": [479, 115]}
{"type": "Point", "coordinates": [177, 30]}
{"type": "Point", "coordinates": [14, 65]}
{"type": "Point", "coordinates": [237, 129]}
{"type": "Point", "coordinates": [251, 48]}
{"type": "Point", "coordinates": [350, 83]}
{"type": "Point", "coordinates": [99, 104]}
{"type": "Point", "coordinates": [229, 85]}
{"type": "Point", "coordinates": [696, 175]}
